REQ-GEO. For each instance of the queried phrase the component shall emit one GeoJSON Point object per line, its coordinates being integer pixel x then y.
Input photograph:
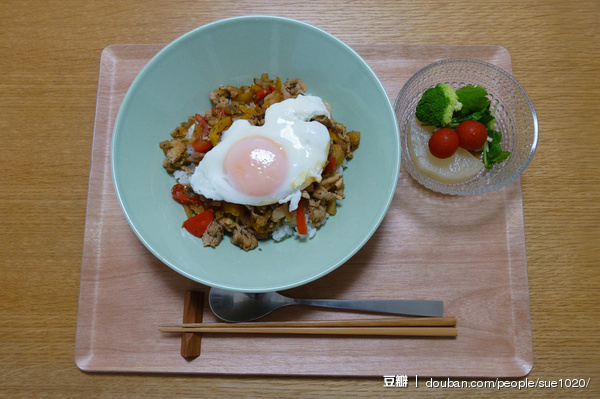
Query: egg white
{"type": "Point", "coordinates": [305, 143]}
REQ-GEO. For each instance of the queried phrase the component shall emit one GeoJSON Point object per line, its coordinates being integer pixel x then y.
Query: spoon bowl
{"type": "Point", "coordinates": [233, 306]}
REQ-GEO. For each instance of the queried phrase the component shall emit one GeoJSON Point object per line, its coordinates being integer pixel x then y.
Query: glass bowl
{"type": "Point", "coordinates": [515, 118]}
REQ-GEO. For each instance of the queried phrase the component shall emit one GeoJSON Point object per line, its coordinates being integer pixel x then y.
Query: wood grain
{"type": "Point", "coordinates": [490, 298]}
{"type": "Point", "coordinates": [193, 307]}
{"type": "Point", "coordinates": [49, 61]}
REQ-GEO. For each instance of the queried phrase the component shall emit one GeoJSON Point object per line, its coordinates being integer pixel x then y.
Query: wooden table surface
{"type": "Point", "coordinates": [49, 55]}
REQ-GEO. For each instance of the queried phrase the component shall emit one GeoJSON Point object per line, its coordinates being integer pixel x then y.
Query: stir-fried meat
{"type": "Point", "coordinates": [243, 238]}
{"type": "Point", "coordinates": [316, 212]}
{"type": "Point", "coordinates": [330, 181]}
{"type": "Point", "coordinates": [213, 235]}
{"type": "Point", "coordinates": [223, 95]}
{"type": "Point", "coordinates": [292, 88]}
{"type": "Point", "coordinates": [196, 157]}
{"type": "Point", "coordinates": [232, 91]}
{"type": "Point", "coordinates": [175, 156]}
{"type": "Point", "coordinates": [324, 120]}
{"type": "Point", "coordinates": [322, 194]}
{"type": "Point", "coordinates": [338, 134]}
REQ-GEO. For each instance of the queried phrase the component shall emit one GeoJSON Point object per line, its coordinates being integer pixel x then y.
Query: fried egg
{"type": "Point", "coordinates": [273, 163]}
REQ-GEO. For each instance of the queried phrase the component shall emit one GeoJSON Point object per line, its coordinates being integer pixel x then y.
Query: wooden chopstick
{"type": "Point", "coordinates": [385, 331]}
{"type": "Point", "coordinates": [382, 322]}
{"type": "Point", "coordinates": [416, 327]}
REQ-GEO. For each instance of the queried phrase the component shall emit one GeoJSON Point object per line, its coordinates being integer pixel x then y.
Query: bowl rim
{"type": "Point", "coordinates": [223, 22]}
{"type": "Point", "coordinates": [425, 179]}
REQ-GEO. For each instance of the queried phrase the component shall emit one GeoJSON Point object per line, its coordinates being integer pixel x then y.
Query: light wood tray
{"type": "Point", "coordinates": [468, 252]}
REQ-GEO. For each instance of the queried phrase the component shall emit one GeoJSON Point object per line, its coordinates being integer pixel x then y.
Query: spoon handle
{"type": "Point", "coordinates": [391, 306]}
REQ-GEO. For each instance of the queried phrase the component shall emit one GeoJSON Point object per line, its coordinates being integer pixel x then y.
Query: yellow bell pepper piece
{"type": "Point", "coordinates": [250, 111]}
{"type": "Point", "coordinates": [245, 97]}
{"type": "Point", "coordinates": [218, 128]}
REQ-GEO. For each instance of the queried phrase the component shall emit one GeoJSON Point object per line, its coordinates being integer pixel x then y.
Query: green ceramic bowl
{"type": "Point", "coordinates": [176, 83]}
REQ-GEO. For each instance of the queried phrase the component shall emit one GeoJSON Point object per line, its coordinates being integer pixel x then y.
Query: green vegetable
{"type": "Point", "coordinates": [492, 152]}
{"type": "Point", "coordinates": [442, 106]}
{"type": "Point", "coordinates": [473, 98]}
{"type": "Point", "coordinates": [484, 116]}
{"type": "Point", "coordinates": [488, 120]}
{"type": "Point", "coordinates": [475, 116]}
{"type": "Point", "coordinates": [437, 105]}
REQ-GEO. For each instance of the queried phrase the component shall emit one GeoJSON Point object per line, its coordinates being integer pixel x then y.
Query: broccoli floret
{"type": "Point", "coordinates": [437, 105]}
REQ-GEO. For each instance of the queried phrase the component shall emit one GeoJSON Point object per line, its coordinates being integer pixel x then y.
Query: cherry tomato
{"type": "Point", "coordinates": [472, 135]}
{"type": "Point", "coordinates": [443, 143]}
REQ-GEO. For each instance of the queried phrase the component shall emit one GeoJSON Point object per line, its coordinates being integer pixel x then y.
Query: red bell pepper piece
{"type": "Point", "coordinates": [178, 193]}
{"type": "Point", "coordinates": [198, 224]}
{"type": "Point", "coordinates": [218, 112]}
{"type": "Point", "coordinates": [330, 165]}
{"type": "Point", "coordinates": [262, 93]}
{"type": "Point", "coordinates": [203, 123]}
{"type": "Point", "coordinates": [301, 218]}
{"type": "Point", "coordinates": [201, 145]}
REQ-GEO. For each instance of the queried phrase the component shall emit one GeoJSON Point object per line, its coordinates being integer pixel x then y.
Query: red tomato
{"type": "Point", "coordinates": [472, 135]}
{"type": "Point", "coordinates": [443, 143]}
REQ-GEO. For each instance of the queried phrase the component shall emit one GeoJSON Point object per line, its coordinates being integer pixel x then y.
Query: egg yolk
{"type": "Point", "coordinates": [256, 166]}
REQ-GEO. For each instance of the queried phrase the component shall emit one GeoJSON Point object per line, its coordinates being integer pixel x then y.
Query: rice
{"type": "Point", "coordinates": [342, 167]}
{"type": "Point", "coordinates": [289, 230]}
{"type": "Point", "coordinates": [191, 169]}
{"type": "Point", "coordinates": [283, 232]}
{"type": "Point", "coordinates": [182, 177]}
{"type": "Point", "coordinates": [312, 230]}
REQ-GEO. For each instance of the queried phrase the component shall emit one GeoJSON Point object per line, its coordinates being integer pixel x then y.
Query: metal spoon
{"type": "Point", "coordinates": [240, 306]}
